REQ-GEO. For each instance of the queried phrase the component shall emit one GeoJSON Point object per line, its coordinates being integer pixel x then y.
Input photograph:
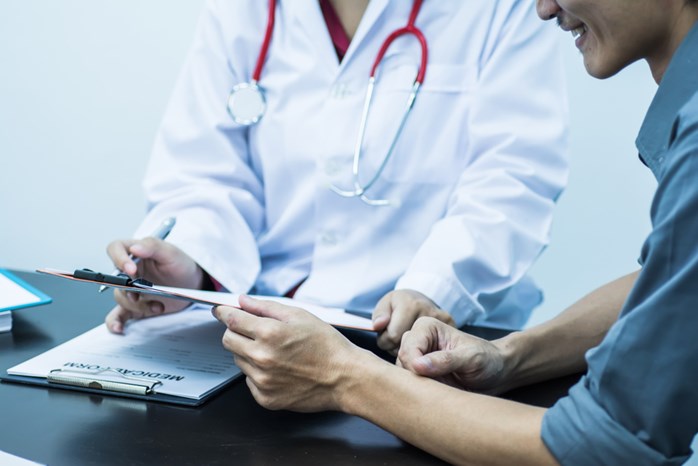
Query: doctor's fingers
{"type": "Point", "coordinates": [134, 306]}
{"type": "Point", "coordinates": [400, 302]}
{"type": "Point", "coordinates": [123, 253]}
{"type": "Point", "coordinates": [117, 318]}
{"type": "Point", "coordinates": [158, 251]}
{"type": "Point", "coordinates": [118, 252]}
{"type": "Point", "coordinates": [400, 322]}
{"type": "Point", "coordinates": [141, 306]}
{"type": "Point", "coordinates": [383, 312]}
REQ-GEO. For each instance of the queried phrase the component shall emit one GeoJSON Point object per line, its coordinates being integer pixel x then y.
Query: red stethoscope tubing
{"type": "Point", "coordinates": [410, 28]}
{"type": "Point", "coordinates": [251, 92]}
{"type": "Point", "coordinates": [265, 44]}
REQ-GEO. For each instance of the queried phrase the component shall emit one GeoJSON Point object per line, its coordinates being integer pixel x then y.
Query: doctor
{"type": "Point", "coordinates": [307, 181]}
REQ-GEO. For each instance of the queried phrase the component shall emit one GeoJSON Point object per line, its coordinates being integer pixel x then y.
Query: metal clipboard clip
{"type": "Point", "coordinates": [87, 379]}
{"type": "Point", "coordinates": [121, 279]}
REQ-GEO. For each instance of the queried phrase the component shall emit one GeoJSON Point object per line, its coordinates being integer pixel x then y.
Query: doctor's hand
{"type": "Point", "coordinates": [397, 311]}
{"type": "Point", "coordinates": [439, 351]}
{"type": "Point", "coordinates": [161, 263]}
{"type": "Point", "coordinates": [292, 359]}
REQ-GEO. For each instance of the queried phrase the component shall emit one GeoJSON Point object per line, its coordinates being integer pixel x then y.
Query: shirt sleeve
{"type": "Point", "coordinates": [499, 215]}
{"type": "Point", "coordinates": [638, 403]}
{"type": "Point", "coordinates": [201, 170]}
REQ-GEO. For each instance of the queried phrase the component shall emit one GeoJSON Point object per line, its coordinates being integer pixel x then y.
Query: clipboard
{"type": "Point", "coordinates": [176, 359]}
{"type": "Point", "coordinates": [334, 316]}
{"type": "Point", "coordinates": [108, 391]}
{"type": "Point", "coordinates": [19, 294]}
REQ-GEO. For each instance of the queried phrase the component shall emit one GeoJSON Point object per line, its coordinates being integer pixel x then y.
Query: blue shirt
{"type": "Point", "coordinates": [638, 402]}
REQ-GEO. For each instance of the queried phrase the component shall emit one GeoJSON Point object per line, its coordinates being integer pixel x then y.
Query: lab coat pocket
{"type": "Point", "coordinates": [441, 78]}
{"type": "Point", "coordinates": [448, 78]}
{"type": "Point", "coordinates": [432, 147]}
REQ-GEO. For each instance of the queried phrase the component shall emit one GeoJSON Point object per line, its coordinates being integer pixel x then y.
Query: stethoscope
{"type": "Point", "coordinates": [246, 102]}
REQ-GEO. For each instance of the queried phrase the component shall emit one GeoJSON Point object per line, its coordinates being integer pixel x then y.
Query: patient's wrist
{"type": "Point", "coordinates": [359, 379]}
{"type": "Point", "coordinates": [512, 349]}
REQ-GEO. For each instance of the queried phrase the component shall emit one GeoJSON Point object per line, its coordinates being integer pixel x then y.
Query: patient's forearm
{"type": "Point", "coordinates": [557, 347]}
{"type": "Point", "coordinates": [458, 426]}
{"type": "Point", "coordinates": [467, 428]}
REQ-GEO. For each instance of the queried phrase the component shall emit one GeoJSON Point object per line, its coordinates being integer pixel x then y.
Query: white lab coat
{"type": "Point", "coordinates": [473, 179]}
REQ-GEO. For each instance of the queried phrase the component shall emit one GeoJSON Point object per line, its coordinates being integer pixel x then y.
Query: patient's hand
{"type": "Point", "coordinates": [439, 351]}
{"type": "Point", "coordinates": [292, 359]}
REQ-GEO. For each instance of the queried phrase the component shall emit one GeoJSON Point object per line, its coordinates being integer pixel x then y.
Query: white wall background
{"type": "Point", "coordinates": [83, 86]}
{"type": "Point", "coordinates": [602, 218]}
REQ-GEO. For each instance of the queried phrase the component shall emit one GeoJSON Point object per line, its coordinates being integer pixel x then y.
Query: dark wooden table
{"type": "Point", "coordinates": [62, 427]}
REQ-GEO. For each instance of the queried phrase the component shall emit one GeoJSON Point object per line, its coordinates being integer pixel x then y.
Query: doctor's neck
{"type": "Point", "coordinates": [349, 13]}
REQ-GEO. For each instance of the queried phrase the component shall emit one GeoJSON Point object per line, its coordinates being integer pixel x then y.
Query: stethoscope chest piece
{"type": "Point", "coordinates": [246, 103]}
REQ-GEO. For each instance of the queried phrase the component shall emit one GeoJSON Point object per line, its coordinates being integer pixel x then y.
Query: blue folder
{"type": "Point", "coordinates": [39, 297]}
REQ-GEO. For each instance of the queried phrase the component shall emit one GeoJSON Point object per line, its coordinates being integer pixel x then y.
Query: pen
{"type": "Point", "coordinates": [161, 233]}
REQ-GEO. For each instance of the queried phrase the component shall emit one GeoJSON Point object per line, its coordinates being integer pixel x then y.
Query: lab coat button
{"type": "Point", "coordinates": [332, 167]}
{"type": "Point", "coordinates": [329, 238]}
{"type": "Point", "coordinates": [340, 91]}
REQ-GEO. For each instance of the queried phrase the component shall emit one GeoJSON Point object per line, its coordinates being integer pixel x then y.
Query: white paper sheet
{"type": "Point", "coordinates": [332, 315]}
{"type": "Point", "coordinates": [7, 459]}
{"type": "Point", "coordinates": [183, 351]}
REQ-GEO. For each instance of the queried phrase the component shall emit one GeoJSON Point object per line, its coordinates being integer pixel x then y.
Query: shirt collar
{"type": "Point", "coordinates": [678, 85]}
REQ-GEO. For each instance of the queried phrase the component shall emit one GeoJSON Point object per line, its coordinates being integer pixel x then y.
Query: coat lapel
{"type": "Point", "coordinates": [308, 15]}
